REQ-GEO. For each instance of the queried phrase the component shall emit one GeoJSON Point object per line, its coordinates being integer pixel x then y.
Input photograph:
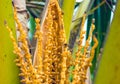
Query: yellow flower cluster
{"type": "Point", "coordinates": [53, 44]}
{"type": "Point", "coordinates": [38, 59]}
{"type": "Point", "coordinates": [51, 51]}
{"type": "Point", "coordinates": [24, 61]}
{"type": "Point", "coordinates": [52, 57]}
{"type": "Point", "coordinates": [82, 61]}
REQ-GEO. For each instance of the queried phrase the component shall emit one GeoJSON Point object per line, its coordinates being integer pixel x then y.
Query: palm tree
{"type": "Point", "coordinates": [66, 42]}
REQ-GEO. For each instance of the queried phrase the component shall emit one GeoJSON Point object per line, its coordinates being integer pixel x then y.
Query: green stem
{"type": "Point", "coordinates": [8, 70]}
{"type": "Point", "coordinates": [109, 67]}
{"type": "Point", "coordinates": [68, 8]}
